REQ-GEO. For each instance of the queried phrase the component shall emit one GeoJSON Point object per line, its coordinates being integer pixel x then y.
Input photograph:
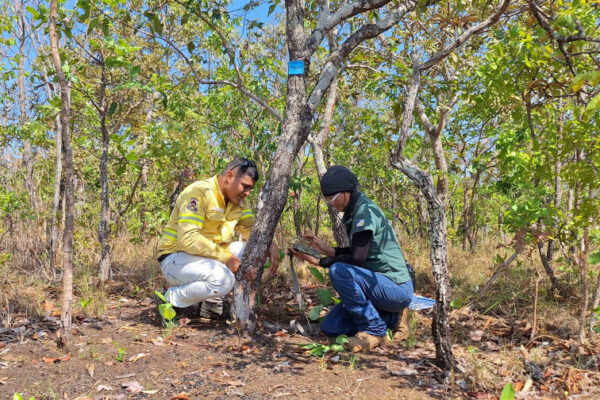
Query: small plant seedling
{"type": "Point", "coordinates": [167, 313]}
{"type": "Point", "coordinates": [508, 393]}
{"type": "Point", "coordinates": [18, 396]}
{"type": "Point", "coordinates": [320, 350]}
{"type": "Point", "coordinates": [120, 357]}
{"type": "Point", "coordinates": [85, 302]}
{"type": "Point", "coordinates": [353, 362]}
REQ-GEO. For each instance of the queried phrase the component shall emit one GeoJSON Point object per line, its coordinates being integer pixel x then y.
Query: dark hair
{"type": "Point", "coordinates": [244, 167]}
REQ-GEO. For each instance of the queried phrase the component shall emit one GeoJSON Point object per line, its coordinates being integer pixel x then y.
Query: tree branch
{"type": "Point", "coordinates": [365, 32]}
{"type": "Point", "coordinates": [327, 21]}
{"type": "Point", "coordinates": [459, 41]}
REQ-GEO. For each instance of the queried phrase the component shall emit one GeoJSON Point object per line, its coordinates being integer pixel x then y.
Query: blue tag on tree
{"type": "Point", "coordinates": [296, 68]}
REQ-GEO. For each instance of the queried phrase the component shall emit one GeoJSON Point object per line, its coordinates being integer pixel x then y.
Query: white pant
{"type": "Point", "coordinates": [196, 278]}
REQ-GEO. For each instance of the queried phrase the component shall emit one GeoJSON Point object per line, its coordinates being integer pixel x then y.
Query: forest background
{"type": "Point", "coordinates": [473, 124]}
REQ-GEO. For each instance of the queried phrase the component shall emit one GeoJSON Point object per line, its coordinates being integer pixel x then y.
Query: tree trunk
{"type": "Point", "coordinates": [584, 284]}
{"type": "Point", "coordinates": [595, 303]}
{"type": "Point", "coordinates": [273, 198]}
{"type": "Point", "coordinates": [65, 111]}
{"type": "Point", "coordinates": [339, 231]}
{"type": "Point", "coordinates": [439, 261]}
{"type": "Point", "coordinates": [437, 229]}
{"type": "Point", "coordinates": [104, 225]}
{"type": "Point", "coordinates": [27, 152]}
{"type": "Point", "coordinates": [143, 186]}
{"type": "Point", "coordinates": [297, 210]}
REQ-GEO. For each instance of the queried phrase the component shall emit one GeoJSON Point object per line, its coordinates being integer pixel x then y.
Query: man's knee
{"type": "Point", "coordinates": [223, 284]}
{"type": "Point", "coordinates": [339, 270]}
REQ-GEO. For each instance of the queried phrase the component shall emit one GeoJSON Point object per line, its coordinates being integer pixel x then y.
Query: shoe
{"type": "Point", "coordinates": [214, 308]}
{"type": "Point", "coordinates": [364, 341]}
{"type": "Point", "coordinates": [402, 331]}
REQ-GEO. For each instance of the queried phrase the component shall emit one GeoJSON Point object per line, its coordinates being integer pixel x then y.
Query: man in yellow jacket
{"type": "Point", "coordinates": [197, 251]}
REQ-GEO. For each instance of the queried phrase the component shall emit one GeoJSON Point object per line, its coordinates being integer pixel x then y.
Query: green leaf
{"type": "Point", "coordinates": [185, 18]}
{"type": "Point", "coordinates": [160, 296]}
{"type": "Point", "coordinates": [17, 396]}
{"type": "Point", "coordinates": [166, 311]}
{"type": "Point", "coordinates": [594, 258]}
{"type": "Point", "coordinates": [134, 70]}
{"type": "Point", "coordinates": [272, 8]}
{"type": "Point", "coordinates": [317, 274]}
{"type": "Point", "coordinates": [324, 296]}
{"type": "Point", "coordinates": [191, 46]}
{"type": "Point", "coordinates": [85, 302]}
{"type": "Point", "coordinates": [112, 108]}
{"type": "Point", "coordinates": [336, 301]}
{"type": "Point", "coordinates": [592, 107]}
{"type": "Point", "coordinates": [508, 393]}
{"type": "Point", "coordinates": [341, 339]}
{"type": "Point", "coordinates": [315, 312]}
{"type": "Point", "coordinates": [34, 13]}
{"type": "Point", "coordinates": [157, 24]}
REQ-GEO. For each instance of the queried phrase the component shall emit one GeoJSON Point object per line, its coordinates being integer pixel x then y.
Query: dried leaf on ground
{"type": "Point", "coordinates": [236, 383]}
{"type": "Point", "coordinates": [103, 387]}
{"type": "Point", "coordinates": [180, 397]}
{"type": "Point", "coordinates": [132, 387]}
{"type": "Point", "coordinates": [137, 357]}
{"type": "Point", "coordinates": [57, 360]}
{"type": "Point", "coordinates": [400, 370]}
{"type": "Point", "coordinates": [476, 335]}
{"type": "Point", "coordinates": [90, 369]}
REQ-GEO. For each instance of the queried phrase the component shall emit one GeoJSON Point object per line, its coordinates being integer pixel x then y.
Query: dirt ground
{"type": "Point", "coordinates": [127, 354]}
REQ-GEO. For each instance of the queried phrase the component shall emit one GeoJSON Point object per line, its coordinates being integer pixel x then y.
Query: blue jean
{"type": "Point", "coordinates": [370, 301]}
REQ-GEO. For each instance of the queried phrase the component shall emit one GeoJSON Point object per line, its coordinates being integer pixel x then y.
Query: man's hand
{"type": "Point", "coordinates": [306, 257]}
{"type": "Point", "coordinates": [318, 244]}
{"type": "Point", "coordinates": [233, 263]}
{"type": "Point", "coordinates": [275, 259]}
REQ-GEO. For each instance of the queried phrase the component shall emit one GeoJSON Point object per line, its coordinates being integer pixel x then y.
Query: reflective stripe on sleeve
{"type": "Point", "coordinates": [192, 218]}
{"type": "Point", "coordinates": [170, 232]}
{"type": "Point", "coordinates": [246, 213]}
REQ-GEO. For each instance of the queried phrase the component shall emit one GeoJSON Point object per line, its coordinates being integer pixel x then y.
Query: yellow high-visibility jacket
{"type": "Point", "coordinates": [202, 224]}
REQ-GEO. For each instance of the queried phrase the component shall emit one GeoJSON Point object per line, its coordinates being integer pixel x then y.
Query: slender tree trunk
{"type": "Point", "coordinates": [339, 231]}
{"type": "Point", "coordinates": [437, 228]}
{"type": "Point", "coordinates": [584, 283]}
{"type": "Point", "coordinates": [54, 228]}
{"type": "Point", "coordinates": [595, 303]}
{"type": "Point", "coordinates": [27, 151]}
{"type": "Point", "coordinates": [143, 186]}
{"type": "Point", "coordinates": [65, 111]}
{"type": "Point", "coordinates": [104, 225]}
{"type": "Point", "coordinates": [465, 218]}
{"type": "Point", "coordinates": [144, 182]}
{"type": "Point", "coordinates": [297, 214]}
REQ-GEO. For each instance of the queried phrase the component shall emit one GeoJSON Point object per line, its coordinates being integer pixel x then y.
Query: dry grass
{"type": "Point", "coordinates": [27, 282]}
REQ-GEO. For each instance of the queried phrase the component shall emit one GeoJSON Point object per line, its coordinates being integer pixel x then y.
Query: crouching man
{"type": "Point", "coordinates": [197, 253]}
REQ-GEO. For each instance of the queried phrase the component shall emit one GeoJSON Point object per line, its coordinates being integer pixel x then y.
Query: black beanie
{"type": "Point", "coordinates": [338, 179]}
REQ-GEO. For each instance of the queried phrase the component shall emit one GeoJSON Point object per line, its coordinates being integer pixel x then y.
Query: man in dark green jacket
{"type": "Point", "coordinates": [371, 275]}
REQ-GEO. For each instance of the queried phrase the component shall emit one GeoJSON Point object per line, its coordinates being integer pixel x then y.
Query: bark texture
{"type": "Point", "coordinates": [104, 224]}
{"type": "Point", "coordinates": [65, 113]}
